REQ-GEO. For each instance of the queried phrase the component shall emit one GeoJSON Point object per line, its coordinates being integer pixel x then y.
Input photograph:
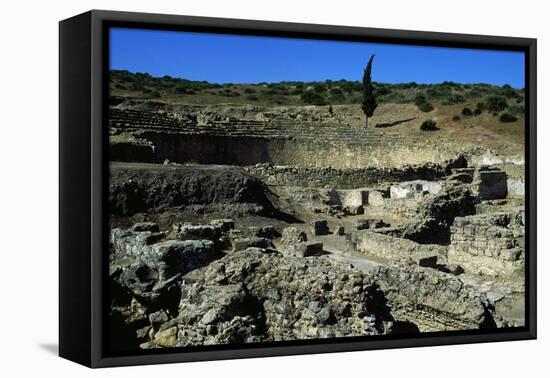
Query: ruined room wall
{"type": "Point", "coordinates": [488, 244]}
{"type": "Point", "coordinates": [394, 249]}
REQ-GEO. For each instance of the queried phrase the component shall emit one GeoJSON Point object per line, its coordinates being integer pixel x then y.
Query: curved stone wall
{"type": "Point", "coordinates": [247, 142]}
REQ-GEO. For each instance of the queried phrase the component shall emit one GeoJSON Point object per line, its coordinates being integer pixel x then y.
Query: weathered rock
{"type": "Point", "coordinates": [267, 297]}
{"type": "Point", "coordinates": [145, 226]}
{"type": "Point", "coordinates": [223, 224]}
{"type": "Point", "coordinates": [244, 243]}
{"type": "Point", "coordinates": [167, 338]}
{"type": "Point", "coordinates": [157, 318]}
{"type": "Point", "coordinates": [143, 189]}
{"type": "Point", "coordinates": [436, 214]}
{"type": "Point", "coordinates": [183, 256]}
{"type": "Point", "coordinates": [148, 264]}
{"type": "Point", "coordinates": [268, 232]}
{"type": "Point", "coordinates": [304, 249]}
{"type": "Point", "coordinates": [433, 300]}
{"type": "Point", "coordinates": [197, 232]}
{"type": "Point", "coordinates": [292, 235]}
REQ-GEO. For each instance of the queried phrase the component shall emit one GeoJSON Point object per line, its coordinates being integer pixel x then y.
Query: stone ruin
{"type": "Point", "coordinates": [489, 244]}
{"type": "Point", "coordinates": [270, 228]}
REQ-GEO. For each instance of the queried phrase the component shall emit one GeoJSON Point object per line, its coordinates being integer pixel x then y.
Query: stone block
{"type": "Point", "coordinates": [355, 210]}
{"type": "Point", "coordinates": [305, 249]}
{"type": "Point", "coordinates": [197, 232]}
{"type": "Point", "coordinates": [319, 227]}
{"type": "Point", "coordinates": [224, 224]}
{"type": "Point", "coordinates": [291, 235]}
{"type": "Point", "coordinates": [376, 198]}
{"type": "Point", "coordinates": [245, 243]}
{"type": "Point", "coordinates": [339, 230]}
{"type": "Point", "coordinates": [145, 226]}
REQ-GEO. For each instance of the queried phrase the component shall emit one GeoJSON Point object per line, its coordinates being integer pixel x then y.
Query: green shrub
{"type": "Point", "coordinates": [507, 117]}
{"type": "Point", "coordinates": [230, 93]}
{"type": "Point", "coordinates": [319, 88]}
{"type": "Point", "coordinates": [396, 98]}
{"type": "Point", "coordinates": [422, 104]}
{"type": "Point", "coordinates": [454, 99]}
{"type": "Point", "coordinates": [252, 98]}
{"type": "Point", "coordinates": [508, 91]}
{"type": "Point", "coordinates": [473, 93]}
{"type": "Point", "coordinates": [183, 89]}
{"type": "Point", "coordinates": [425, 107]}
{"type": "Point", "coordinates": [428, 125]}
{"type": "Point", "coordinates": [310, 97]}
{"type": "Point", "coordinates": [137, 85]}
{"type": "Point", "coordinates": [439, 91]}
{"type": "Point", "coordinates": [155, 94]}
{"type": "Point", "coordinates": [477, 112]}
{"type": "Point", "coordinates": [516, 110]}
{"type": "Point", "coordinates": [249, 90]}
{"type": "Point", "coordinates": [419, 99]}
{"type": "Point", "coordinates": [467, 112]}
{"type": "Point", "coordinates": [336, 92]}
{"type": "Point", "coordinates": [496, 104]}
{"type": "Point", "coordinates": [481, 107]}
{"type": "Point", "coordinates": [381, 91]}
{"type": "Point", "coordinates": [456, 118]}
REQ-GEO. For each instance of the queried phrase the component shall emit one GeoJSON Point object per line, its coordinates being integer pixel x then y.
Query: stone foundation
{"type": "Point", "coordinates": [490, 244]}
{"type": "Point", "coordinates": [393, 248]}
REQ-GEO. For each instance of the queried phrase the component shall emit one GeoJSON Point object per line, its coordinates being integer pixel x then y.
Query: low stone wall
{"type": "Point", "coordinates": [343, 178]}
{"type": "Point", "coordinates": [489, 244]}
{"type": "Point", "coordinates": [393, 248]}
{"type": "Point", "coordinates": [516, 187]}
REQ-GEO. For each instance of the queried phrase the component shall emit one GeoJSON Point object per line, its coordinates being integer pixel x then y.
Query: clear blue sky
{"type": "Point", "coordinates": [245, 59]}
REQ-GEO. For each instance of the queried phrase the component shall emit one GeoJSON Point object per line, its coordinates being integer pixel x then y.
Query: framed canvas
{"type": "Point", "coordinates": [234, 188]}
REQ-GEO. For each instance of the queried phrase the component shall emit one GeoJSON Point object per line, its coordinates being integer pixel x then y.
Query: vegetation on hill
{"type": "Point", "coordinates": [481, 97]}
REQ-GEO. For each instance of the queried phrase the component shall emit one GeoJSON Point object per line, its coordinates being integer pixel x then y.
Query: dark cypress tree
{"type": "Point", "coordinates": [369, 101]}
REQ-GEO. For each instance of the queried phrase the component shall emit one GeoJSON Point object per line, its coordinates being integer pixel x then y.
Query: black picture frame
{"type": "Point", "coordinates": [83, 167]}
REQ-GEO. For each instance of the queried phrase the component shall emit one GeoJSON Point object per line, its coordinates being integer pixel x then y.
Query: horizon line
{"type": "Point", "coordinates": [314, 81]}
